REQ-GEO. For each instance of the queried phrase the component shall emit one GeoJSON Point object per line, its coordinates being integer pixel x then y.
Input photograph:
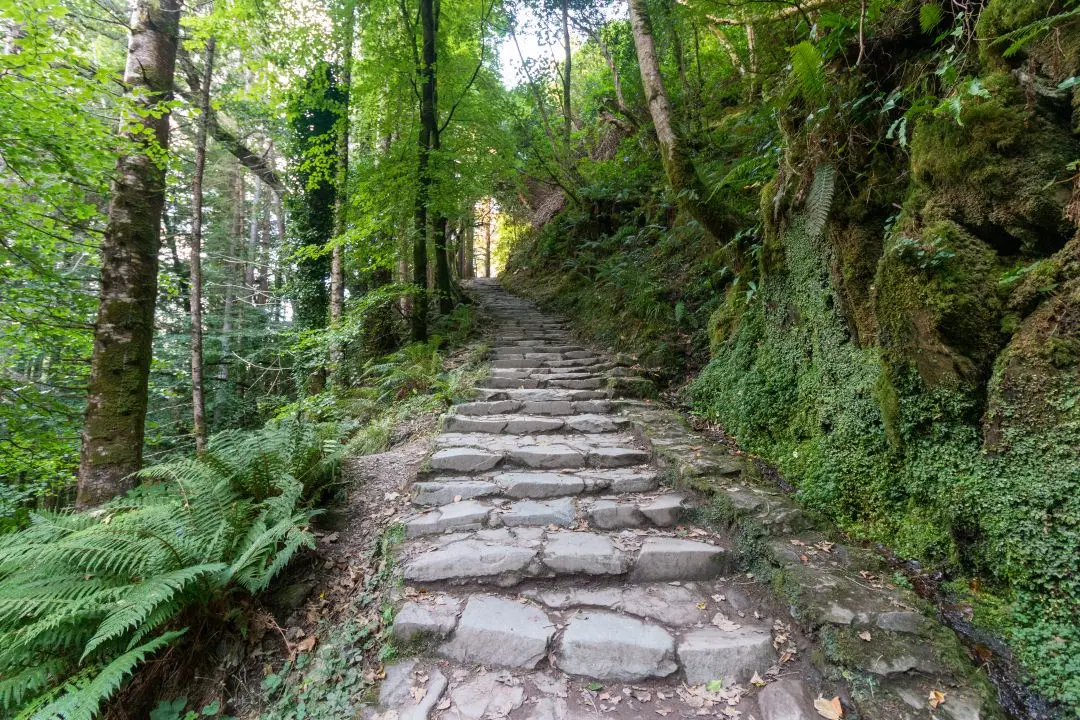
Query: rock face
{"type": "Point", "coordinates": [606, 646]}
{"type": "Point", "coordinates": [498, 632]}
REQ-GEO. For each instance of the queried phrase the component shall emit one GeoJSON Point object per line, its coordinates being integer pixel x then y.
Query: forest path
{"type": "Point", "coordinates": [552, 570]}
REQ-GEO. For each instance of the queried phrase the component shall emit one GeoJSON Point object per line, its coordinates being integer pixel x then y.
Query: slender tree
{"type": "Point", "coordinates": [680, 172]}
{"type": "Point", "coordinates": [113, 426]}
{"type": "Point", "coordinates": [198, 402]}
{"type": "Point", "coordinates": [341, 182]}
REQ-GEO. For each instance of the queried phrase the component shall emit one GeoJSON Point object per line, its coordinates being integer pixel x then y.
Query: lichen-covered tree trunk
{"type": "Point", "coordinates": [198, 401]}
{"type": "Point", "coordinates": [680, 172]}
{"type": "Point", "coordinates": [113, 427]}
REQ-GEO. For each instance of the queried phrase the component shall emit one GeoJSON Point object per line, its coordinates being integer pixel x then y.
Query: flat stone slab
{"type": "Point", "coordinates": [499, 632]}
{"type": "Point", "coordinates": [678, 559]}
{"type": "Point", "coordinates": [436, 493]}
{"type": "Point", "coordinates": [483, 696]}
{"type": "Point", "coordinates": [426, 619]}
{"type": "Point", "coordinates": [611, 514]}
{"type": "Point", "coordinates": [468, 559]}
{"type": "Point", "coordinates": [591, 423]}
{"type": "Point", "coordinates": [786, 699]}
{"type": "Point", "coordinates": [606, 646]}
{"type": "Point", "coordinates": [396, 692]}
{"type": "Point", "coordinates": [539, 513]}
{"type": "Point", "coordinates": [734, 656]}
{"type": "Point", "coordinates": [496, 407]}
{"type": "Point", "coordinates": [610, 457]}
{"type": "Point", "coordinates": [464, 515]}
{"type": "Point", "coordinates": [548, 407]}
{"type": "Point", "coordinates": [462, 459]}
{"type": "Point", "coordinates": [581, 552]}
{"type": "Point", "coordinates": [665, 510]}
{"type": "Point", "coordinates": [669, 604]}
{"type": "Point", "coordinates": [539, 485]}
{"type": "Point", "coordinates": [548, 457]}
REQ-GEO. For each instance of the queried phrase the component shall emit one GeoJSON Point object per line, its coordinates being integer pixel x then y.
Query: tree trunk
{"type": "Point", "coordinates": [251, 252]}
{"type": "Point", "coordinates": [428, 129]}
{"type": "Point", "coordinates": [568, 120]}
{"type": "Point", "coordinates": [341, 199]}
{"type": "Point", "coordinates": [235, 241]}
{"type": "Point", "coordinates": [443, 281]}
{"type": "Point", "coordinates": [263, 284]}
{"type": "Point", "coordinates": [679, 169]}
{"type": "Point", "coordinates": [198, 401]}
{"type": "Point", "coordinates": [113, 427]}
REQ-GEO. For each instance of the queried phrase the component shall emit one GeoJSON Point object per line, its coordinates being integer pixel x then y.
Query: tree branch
{"type": "Point", "coordinates": [253, 162]}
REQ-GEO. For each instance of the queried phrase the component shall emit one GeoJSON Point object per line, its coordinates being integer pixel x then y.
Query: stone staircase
{"type": "Point", "coordinates": [550, 574]}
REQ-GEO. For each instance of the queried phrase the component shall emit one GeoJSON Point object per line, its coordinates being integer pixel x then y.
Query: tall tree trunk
{"type": "Point", "coordinates": [568, 119]}
{"type": "Point", "coordinates": [235, 241]}
{"type": "Point", "coordinates": [263, 295]}
{"type": "Point", "coordinates": [198, 401]}
{"type": "Point", "coordinates": [680, 172]}
{"type": "Point", "coordinates": [428, 128]}
{"type": "Point", "coordinates": [341, 199]}
{"type": "Point", "coordinates": [443, 282]}
{"type": "Point", "coordinates": [113, 427]}
{"type": "Point", "coordinates": [251, 252]}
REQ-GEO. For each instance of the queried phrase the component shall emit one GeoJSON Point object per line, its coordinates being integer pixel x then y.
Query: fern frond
{"type": "Point", "coordinates": [809, 70]}
{"type": "Point", "coordinates": [18, 688]}
{"type": "Point", "coordinates": [141, 601]}
{"type": "Point", "coordinates": [82, 695]}
{"type": "Point", "coordinates": [819, 199]}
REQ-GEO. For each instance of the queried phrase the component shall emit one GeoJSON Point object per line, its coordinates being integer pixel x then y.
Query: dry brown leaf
{"type": "Point", "coordinates": [757, 681]}
{"type": "Point", "coordinates": [936, 698]}
{"type": "Point", "coordinates": [865, 635]}
{"type": "Point", "coordinates": [830, 709]}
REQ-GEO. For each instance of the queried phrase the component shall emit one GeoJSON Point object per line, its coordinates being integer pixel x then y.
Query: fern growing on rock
{"type": "Point", "coordinates": [86, 597]}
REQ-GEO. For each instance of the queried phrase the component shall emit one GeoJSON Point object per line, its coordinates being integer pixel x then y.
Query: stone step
{"type": "Point", "coordinates": [588, 423]}
{"type": "Point", "coordinates": [477, 452]}
{"type": "Point", "coordinates": [546, 373]}
{"type": "Point", "coordinates": [533, 407]}
{"type": "Point", "coordinates": [499, 631]}
{"type": "Point", "coordinates": [596, 363]}
{"type": "Point", "coordinates": [613, 513]}
{"type": "Point", "coordinates": [506, 556]}
{"type": "Point", "coordinates": [502, 382]}
{"type": "Point", "coordinates": [537, 394]}
{"type": "Point", "coordinates": [536, 485]}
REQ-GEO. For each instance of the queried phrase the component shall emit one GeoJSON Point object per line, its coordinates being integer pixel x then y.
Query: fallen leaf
{"type": "Point", "coordinates": [457, 498]}
{"type": "Point", "coordinates": [865, 635]}
{"type": "Point", "coordinates": [720, 621]}
{"type": "Point", "coordinates": [936, 698]}
{"type": "Point", "coordinates": [757, 681]}
{"type": "Point", "coordinates": [830, 709]}
{"type": "Point", "coordinates": [306, 645]}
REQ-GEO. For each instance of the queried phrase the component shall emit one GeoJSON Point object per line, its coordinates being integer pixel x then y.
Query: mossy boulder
{"type": "Point", "coordinates": [1036, 383]}
{"type": "Point", "coordinates": [996, 169]}
{"type": "Point", "coordinates": [937, 305]}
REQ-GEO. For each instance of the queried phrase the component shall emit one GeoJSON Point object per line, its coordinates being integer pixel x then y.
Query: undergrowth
{"type": "Point", "coordinates": [86, 598]}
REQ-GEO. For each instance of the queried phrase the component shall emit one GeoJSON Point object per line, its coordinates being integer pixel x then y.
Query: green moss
{"type": "Point", "coordinates": [995, 170]}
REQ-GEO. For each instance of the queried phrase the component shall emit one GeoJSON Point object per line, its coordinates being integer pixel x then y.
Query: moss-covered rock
{"type": "Point", "coordinates": [937, 305]}
{"type": "Point", "coordinates": [996, 170]}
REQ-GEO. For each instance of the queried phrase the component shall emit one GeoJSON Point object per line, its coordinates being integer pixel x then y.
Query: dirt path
{"type": "Point", "coordinates": [553, 569]}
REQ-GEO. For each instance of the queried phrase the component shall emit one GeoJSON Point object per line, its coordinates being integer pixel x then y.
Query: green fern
{"type": "Point", "coordinates": [84, 598]}
{"type": "Point", "coordinates": [930, 16]}
{"type": "Point", "coordinates": [819, 199]}
{"type": "Point", "coordinates": [809, 70]}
